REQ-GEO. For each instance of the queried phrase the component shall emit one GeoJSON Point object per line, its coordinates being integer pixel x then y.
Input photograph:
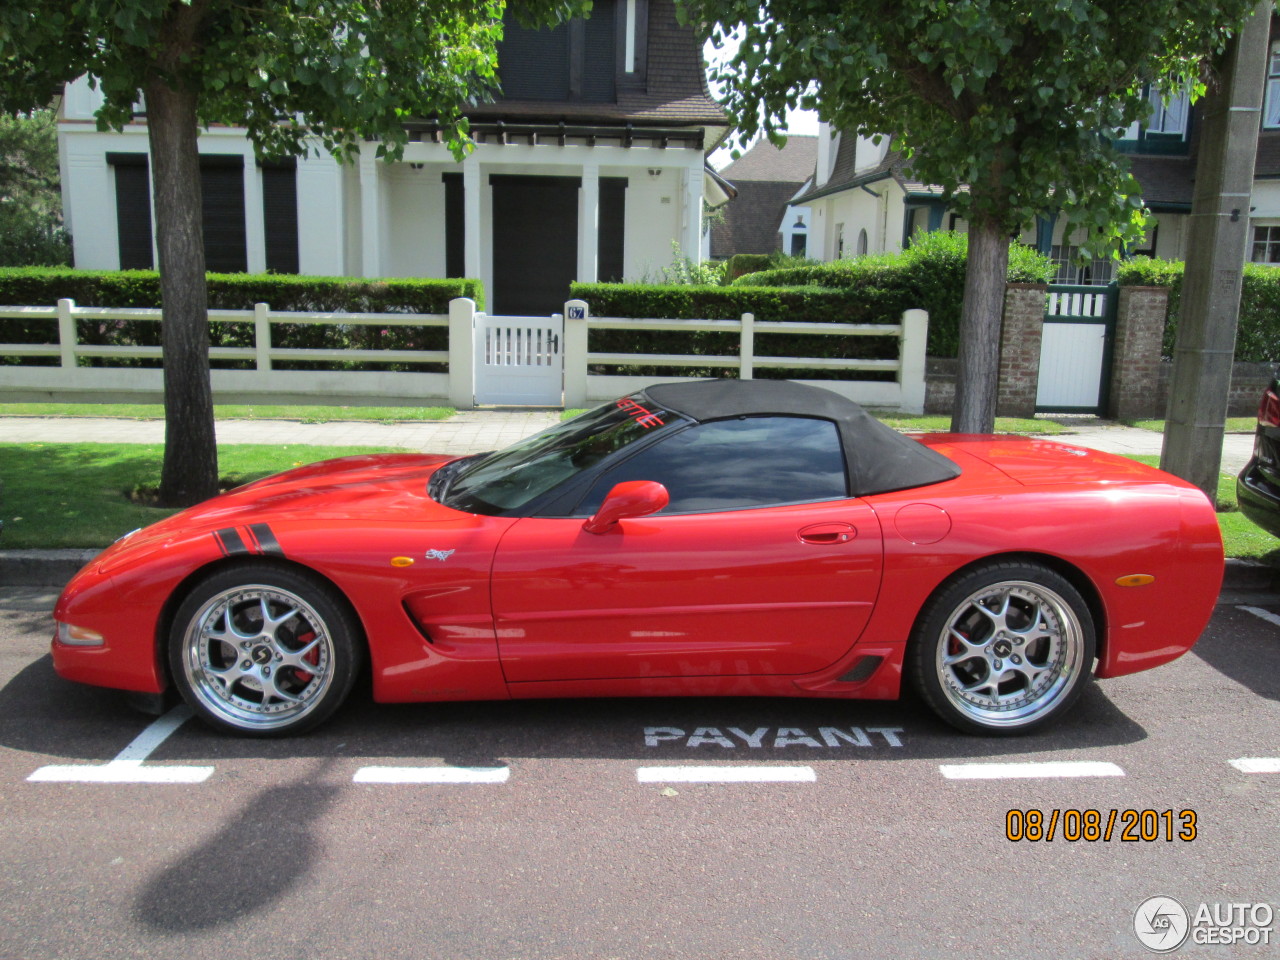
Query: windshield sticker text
{"type": "Point", "coordinates": [646, 418]}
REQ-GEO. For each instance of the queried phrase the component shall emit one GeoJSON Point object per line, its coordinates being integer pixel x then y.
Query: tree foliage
{"type": "Point", "coordinates": [31, 231]}
{"type": "Point", "coordinates": [1009, 105]}
{"type": "Point", "coordinates": [340, 71]}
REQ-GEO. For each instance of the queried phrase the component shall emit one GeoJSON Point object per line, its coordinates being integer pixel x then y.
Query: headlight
{"type": "Point", "coordinates": [75, 636]}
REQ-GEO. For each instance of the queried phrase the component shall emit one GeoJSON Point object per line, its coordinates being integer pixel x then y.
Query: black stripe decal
{"type": "Point", "coordinates": [267, 540]}
{"type": "Point", "coordinates": [231, 542]}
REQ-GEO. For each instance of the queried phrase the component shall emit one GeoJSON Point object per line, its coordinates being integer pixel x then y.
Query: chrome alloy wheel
{"type": "Point", "coordinates": [258, 657]}
{"type": "Point", "coordinates": [1009, 653]}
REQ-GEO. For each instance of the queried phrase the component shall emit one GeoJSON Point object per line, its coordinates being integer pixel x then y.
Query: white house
{"type": "Point", "coordinates": [588, 167]}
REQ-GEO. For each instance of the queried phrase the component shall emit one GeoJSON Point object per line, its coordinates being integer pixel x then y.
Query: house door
{"type": "Point", "coordinates": [1075, 349]}
{"type": "Point", "coordinates": [535, 243]}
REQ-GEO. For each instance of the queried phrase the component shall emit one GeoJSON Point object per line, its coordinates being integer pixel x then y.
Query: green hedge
{"type": "Point", "coordinates": [32, 286]}
{"type": "Point", "coordinates": [740, 264]}
{"type": "Point", "coordinates": [1258, 334]}
{"type": "Point", "coordinates": [929, 274]}
{"type": "Point", "coordinates": [813, 304]}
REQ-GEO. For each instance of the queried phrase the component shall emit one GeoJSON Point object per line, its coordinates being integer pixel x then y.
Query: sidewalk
{"type": "Point", "coordinates": [469, 431]}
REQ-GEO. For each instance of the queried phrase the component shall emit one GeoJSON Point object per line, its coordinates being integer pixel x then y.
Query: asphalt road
{"type": "Point", "coordinates": [568, 847]}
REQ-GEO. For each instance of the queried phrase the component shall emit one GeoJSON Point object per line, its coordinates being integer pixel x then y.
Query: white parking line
{"type": "Point", "coordinates": [1266, 615]}
{"type": "Point", "coordinates": [1024, 771]}
{"type": "Point", "coordinates": [432, 775]}
{"type": "Point", "coordinates": [1257, 764]}
{"type": "Point", "coordinates": [754, 774]}
{"type": "Point", "coordinates": [127, 766]}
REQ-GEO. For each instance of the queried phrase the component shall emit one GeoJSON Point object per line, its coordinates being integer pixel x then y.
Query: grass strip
{"type": "Point", "coordinates": [232, 411]}
{"type": "Point", "coordinates": [56, 495]}
{"type": "Point", "coordinates": [1234, 424]}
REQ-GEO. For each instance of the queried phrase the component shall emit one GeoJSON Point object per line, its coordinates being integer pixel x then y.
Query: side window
{"type": "Point", "coordinates": [735, 464]}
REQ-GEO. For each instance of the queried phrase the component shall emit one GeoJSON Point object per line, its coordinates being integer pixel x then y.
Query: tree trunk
{"type": "Point", "coordinates": [190, 472]}
{"type": "Point", "coordinates": [978, 378]}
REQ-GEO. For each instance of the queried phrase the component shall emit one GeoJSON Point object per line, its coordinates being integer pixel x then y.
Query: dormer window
{"type": "Point", "coordinates": [1168, 117]}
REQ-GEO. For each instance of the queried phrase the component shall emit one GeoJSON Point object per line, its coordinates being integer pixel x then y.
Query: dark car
{"type": "Point", "coordinates": [1258, 487]}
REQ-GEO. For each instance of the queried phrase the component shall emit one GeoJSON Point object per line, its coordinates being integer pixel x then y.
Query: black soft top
{"type": "Point", "coordinates": [879, 458]}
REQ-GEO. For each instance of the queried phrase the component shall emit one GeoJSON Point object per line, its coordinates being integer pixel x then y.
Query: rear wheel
{"type": "Point", "coordinates": [263, 651]}
{"type": "Point", "coordinates": [1003, 649]}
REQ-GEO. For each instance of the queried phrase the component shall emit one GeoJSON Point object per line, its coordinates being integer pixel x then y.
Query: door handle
{"type": "Point", "coordinates": [828, 533]}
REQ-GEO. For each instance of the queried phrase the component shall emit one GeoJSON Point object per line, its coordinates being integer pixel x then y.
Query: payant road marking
{"type": "Point", "coordinates": [752, 774]}
{"type": "Point", "coordinates": [127, 766]}
{"type": "Point", "coordinates": [1257, 764]}
{"type": "Point", "coordinates": [1266, 615]}
{"type": "Point", "coordinates": [1024, 771]}
{"type": "Point", "coordinates": [432, 775]}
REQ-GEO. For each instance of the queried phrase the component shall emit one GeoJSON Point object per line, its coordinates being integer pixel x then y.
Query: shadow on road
{"type": "Point", "coordinates": [259, 855]}
{"type": "Point", "coordinates": [1244, 648]}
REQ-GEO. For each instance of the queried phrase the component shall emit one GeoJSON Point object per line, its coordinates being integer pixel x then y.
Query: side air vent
{"type": "Point", "coordinates": [862, 670]}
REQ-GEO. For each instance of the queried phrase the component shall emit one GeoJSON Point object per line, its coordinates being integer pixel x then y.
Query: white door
{"type": "Point", "coordinates": [1073, 349]}
{"type": "Point", "coordinates": [519, 360]}
{"type": "Point", "coordinates": [1071, 356]}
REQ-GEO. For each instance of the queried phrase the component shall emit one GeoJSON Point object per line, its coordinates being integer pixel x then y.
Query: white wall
{"type": "Point", "coordinates": [652, 222]}
{"type": "Point", "coordinates": [414, 200]}
{"type": "Point", "coordinates": [322, 228]}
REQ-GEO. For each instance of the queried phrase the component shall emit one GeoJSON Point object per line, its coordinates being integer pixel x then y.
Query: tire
{"type": "Point", "coordinates": [1003, 649]}
{"type": "Point", "coordinates": [264, 651]}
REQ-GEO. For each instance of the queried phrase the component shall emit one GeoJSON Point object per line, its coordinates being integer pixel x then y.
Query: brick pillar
{"type": "Point", "coordinates": [1020, 331]}
{"type": "Point", "coordinates": [1135, 357]}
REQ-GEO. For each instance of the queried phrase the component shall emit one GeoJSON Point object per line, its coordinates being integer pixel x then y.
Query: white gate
{"type": "Point", "coordinates": [519, 360]}
{"type": "Point", "coordinates": [1075, 349]}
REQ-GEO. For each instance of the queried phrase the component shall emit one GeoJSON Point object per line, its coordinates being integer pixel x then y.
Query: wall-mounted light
{"type": "Point", "coordinates": [654, 172]}
{"type": "Point", "coordinates": [416, 166]}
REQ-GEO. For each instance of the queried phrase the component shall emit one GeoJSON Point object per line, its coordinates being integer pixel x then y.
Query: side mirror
{"type": "Point", "coordinates": [634, 498]}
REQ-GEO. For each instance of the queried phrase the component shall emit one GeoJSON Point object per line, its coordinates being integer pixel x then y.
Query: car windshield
{"type": "Point", "coordinates": [510, 478]}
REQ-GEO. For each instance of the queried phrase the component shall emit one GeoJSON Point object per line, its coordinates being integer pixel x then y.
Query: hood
{"type": "Point", "coordinates": [384, 487]}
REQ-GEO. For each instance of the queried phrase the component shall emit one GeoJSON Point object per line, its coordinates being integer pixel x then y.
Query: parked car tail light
{"type": "Point", "coordinates": [1269, 410]}
{"type": "Point", "coordinates": [79, 636]}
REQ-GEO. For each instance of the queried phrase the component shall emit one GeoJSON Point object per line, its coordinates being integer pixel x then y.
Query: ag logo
{"type": "Point", "coordinates": [1161, 924]}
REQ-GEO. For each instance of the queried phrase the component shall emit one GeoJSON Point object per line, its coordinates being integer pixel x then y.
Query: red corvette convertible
{"type": "Point", "coordinates": [708, 538]}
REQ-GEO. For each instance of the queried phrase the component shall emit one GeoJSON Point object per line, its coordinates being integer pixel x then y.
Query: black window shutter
{"type": "Point", "coordinates": [612, 229]}
{"type": "Point", "coordinates": [222, 183]}
{"type": "Point", "coordinates": [455, 226]}
{"type": "Point", "coordinates": [280, 215]}
{"type": "Point", "coordinates": [133, 210]}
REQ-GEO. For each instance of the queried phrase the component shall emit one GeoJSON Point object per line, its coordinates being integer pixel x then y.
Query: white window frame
{"type": "Point", "coordinates": [1271, 110]}
{"type": "Point", "coordinates": [1168, 116]}
{"type": "Point", "coordinates": [1265, 238]}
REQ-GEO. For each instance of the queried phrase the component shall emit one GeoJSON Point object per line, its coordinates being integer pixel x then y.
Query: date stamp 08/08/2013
{"type": "Point", "coordinates": [1091, 826]}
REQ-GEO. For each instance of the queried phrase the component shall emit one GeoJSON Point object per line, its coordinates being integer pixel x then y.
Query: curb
{"type": "Point", "coordinates": [53, 568]}
{"type": "Point", "coordinates": [42, 568]}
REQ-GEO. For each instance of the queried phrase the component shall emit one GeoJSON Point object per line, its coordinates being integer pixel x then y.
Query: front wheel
{"type": "Point", "coordinates": [1003, 648]}
{"type": "Point", "coordinates": [263, 651]}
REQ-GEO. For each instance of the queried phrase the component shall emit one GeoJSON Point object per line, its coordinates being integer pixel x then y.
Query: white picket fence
{"type": "Point", "coordinates": [905, 392]}
{"type": "Point", "coordinates": [263, 383]}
